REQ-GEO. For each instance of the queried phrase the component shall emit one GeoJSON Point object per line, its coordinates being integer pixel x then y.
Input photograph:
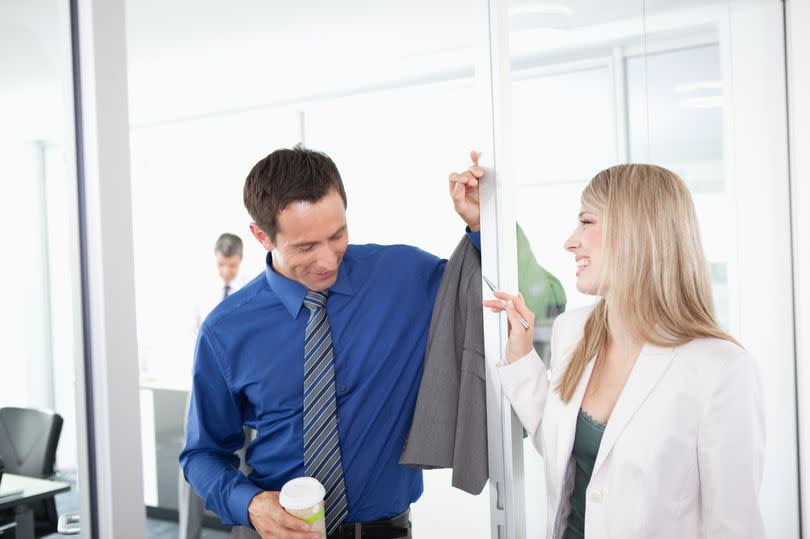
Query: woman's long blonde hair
{"type": "Point", "coordinates": [657, 278]}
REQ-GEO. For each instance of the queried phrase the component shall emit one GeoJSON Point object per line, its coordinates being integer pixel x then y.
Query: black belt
{"type": "Point", "coordinates": [393, 528]}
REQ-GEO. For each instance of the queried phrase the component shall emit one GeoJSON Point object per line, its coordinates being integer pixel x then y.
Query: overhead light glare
{"type": "Point", "coordinates": [687, 87]}
{"type": "Point", "coordinates": [707, 102]}
{"type": "Point", "coordinates": [544, 8]}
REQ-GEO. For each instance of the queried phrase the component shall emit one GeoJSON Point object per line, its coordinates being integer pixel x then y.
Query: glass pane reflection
{"type": "Point", "coordinates": [40, 316]}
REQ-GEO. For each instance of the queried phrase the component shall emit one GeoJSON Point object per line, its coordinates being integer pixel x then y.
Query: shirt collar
{"type": "Point", "coordinates": [292, 293]}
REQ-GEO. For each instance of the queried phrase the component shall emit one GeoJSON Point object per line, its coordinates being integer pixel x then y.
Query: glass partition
{"type": "Point", "coordinates": [40, 314]}
{"type": "Point", "coordinates": [673, 84]}
{"type": "Point", "coordinates": [389, 92]}
{"type": "Point", "coordinates": [385, 90]}
{"type": "Point", "coordinates": [569, 121]}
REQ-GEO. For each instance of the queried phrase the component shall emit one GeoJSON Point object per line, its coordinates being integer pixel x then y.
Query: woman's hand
{"type": "Point", "coordinates": [520, 340]}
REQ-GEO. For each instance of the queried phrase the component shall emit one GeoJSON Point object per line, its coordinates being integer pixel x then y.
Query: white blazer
{"type": "Point", "coordinates": [682, 452]}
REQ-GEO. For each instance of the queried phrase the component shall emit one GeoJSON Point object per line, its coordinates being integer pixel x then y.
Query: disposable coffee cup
{"type": "Point", "coordinates": [303, 498]}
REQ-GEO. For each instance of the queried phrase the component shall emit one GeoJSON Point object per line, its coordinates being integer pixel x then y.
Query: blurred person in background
{"type": "Point", "coordinates": [228, 253]}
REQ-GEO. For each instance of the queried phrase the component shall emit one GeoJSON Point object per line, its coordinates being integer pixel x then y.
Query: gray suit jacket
{"type": "Point", "coordinates": [449, 428]}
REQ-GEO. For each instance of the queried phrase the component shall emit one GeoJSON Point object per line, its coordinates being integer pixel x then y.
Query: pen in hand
{"type": "Point", "coordinates": [522, 320]}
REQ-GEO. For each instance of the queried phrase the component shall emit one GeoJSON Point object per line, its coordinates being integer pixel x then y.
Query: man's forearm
{"type": "Point", "coordinates": [216, 479]}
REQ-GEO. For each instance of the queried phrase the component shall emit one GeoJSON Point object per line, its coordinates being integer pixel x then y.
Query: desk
{"type": "Point", "coordinates": [27, 490]}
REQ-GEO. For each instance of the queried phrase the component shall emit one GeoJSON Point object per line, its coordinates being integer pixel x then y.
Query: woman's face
{"type": "Point", "coordinates": [586, 246]}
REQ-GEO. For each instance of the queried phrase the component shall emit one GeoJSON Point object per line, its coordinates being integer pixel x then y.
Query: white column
{"type": "Point", "coordinates": [104, 170]}
{"type": "Point", "coordinates": [498, 262]}
{"type": "Point", "coordinates": [759, 181]}
{"type": "Point", "coordinates": [798, 49]}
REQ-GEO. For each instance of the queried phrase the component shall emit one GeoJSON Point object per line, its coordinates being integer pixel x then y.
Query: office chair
{"type": "Point", "coordinates": [28, 441]}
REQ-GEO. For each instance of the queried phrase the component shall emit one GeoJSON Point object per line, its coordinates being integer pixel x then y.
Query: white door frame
{"type": "Point", "coordinates": [109, 441]}
{"type": "Point", "coordinates": [798, 47]}
{"type": "Point", "coordinates": [757, 170]}
{"type": "Point", "coordinates": [493, 79]}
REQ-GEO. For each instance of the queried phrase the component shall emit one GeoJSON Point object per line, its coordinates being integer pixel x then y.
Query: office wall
{"type": "Point", "coordinates": [25, 313]}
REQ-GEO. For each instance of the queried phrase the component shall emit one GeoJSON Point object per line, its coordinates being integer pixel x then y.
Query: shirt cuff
{"type": "Point", "coordinates": [239, 501]}
{"type": "Point", "coordinates": [475, 238]}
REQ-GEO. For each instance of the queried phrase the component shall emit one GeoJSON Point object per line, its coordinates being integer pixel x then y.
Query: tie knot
{"type": "Point", "coordinates": [315, 300]}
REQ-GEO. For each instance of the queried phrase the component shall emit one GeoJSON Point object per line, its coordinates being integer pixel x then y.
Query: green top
{"type": "Point", "coordinates": [586, 446]}
{"type": "Point", "coordinates": [542, 291]}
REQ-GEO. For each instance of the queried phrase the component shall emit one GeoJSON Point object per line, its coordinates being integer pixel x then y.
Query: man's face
{"type": "Point", "coordinates": [228, 266]}
{"type": "Point", "coordinates": [310, 241]}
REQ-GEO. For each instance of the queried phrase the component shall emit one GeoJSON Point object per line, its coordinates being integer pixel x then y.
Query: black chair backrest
{"type": "Point", "coordinates": [28, 440]}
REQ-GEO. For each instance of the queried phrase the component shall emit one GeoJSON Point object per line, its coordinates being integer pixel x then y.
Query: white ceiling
{"type": "Point", "coordinates": [191, 57]}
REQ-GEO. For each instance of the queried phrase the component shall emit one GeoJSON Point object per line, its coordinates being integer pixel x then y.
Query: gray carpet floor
{"type": "Point", "coordinates": [68, 502]}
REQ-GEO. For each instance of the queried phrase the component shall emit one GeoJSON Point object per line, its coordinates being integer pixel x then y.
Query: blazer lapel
{"type": "Point", "coordinates": [567, 426]}
{"type": "Point", "coordinates": [650, 366]}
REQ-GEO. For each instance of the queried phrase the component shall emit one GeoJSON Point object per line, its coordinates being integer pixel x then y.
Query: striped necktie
{"type": "Point", "coordinates": [321, 444]}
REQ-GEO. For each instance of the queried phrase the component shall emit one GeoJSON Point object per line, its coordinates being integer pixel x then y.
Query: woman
{"type": "Point", "coordinates": [651, 420]}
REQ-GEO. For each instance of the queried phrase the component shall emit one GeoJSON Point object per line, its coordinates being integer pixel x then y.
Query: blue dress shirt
{"type": "Point", "coordinates": [249, 369]}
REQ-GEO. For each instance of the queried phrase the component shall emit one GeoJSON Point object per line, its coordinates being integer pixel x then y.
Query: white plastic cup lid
{"type": "Point", "coordinates": [301, 492]}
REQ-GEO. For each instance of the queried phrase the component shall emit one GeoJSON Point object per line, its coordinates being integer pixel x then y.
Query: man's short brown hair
{"type": "Point", "coordinates": [285, 176]}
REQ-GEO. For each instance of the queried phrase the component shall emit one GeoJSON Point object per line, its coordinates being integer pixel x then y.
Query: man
{"type": "Point", "coordinates": [322, 356]}
{"type": "Point", "coordinates": [228, 253]}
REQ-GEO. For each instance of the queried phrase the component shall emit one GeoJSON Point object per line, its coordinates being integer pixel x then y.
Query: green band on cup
{"type": "Point", "coordinates": [313, 518]}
